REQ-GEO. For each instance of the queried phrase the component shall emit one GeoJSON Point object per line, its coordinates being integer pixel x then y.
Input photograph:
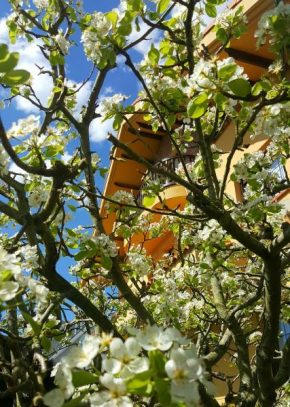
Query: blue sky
{"type": "Point", "coordinates": [119, 80]}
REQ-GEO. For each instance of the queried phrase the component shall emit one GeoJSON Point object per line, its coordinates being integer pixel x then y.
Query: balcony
{"type": "Point", "coordinates": [169, 164]}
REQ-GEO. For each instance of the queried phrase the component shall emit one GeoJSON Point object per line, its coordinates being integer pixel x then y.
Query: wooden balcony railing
{"type": "Point", "coordinates": [168, 164]}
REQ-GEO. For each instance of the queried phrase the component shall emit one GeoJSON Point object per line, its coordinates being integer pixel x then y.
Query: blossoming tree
{"type": "Point", "coordinates": [156, 344]}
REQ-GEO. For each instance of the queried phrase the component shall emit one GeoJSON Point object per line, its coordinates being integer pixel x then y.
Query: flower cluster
{"type": "Point", "coordinates": [41, 4]}
{"type": "Point", "coordinates": [111, 105]}
{"type": "Point", "coordinates": [24, 127]}
{"type": "Point", "coordinates": [9, 271]}
{"type": "Point", "coordinates": [208, 75]}
{"type": "Point", "coordinates": [124, 363]}
{"type": "Point", "coordinates": [4, 162]}
{"type": "Point", "coordinates": [12, 277]}
{"type": "Point", "coordinates": [269, 26]}
{"type": "Point", "coordinates": [230, 17]}
{"type": "Point", "coordinates": [123, 198]}
{"type": "Point", "coordinates": [254, 166]}
{"type": "Point", "coordinates": [93, 36]}
{"type": "Point", "coordinates": [29, 257]}
{"type": "Point", "coordinates": [62, 42]}
{"type": "Point", "coordinates": [139, 262]}
{"type": "Point", "coordinates": [105, 245]}
{"type": "Point", "coordinates": [37, 196]}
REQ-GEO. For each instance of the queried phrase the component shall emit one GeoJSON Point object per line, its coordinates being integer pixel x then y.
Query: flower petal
{"type": "Point", "coordinates": [139, 365]}
{"type": "Point", "coordinates": [117, 348]}
{"type": "Point", "coordinates": [112, 365]}
{"type": "Point", "coordinates": [132, 346]}
{"type": "Point", "coordinates": [54, 398]}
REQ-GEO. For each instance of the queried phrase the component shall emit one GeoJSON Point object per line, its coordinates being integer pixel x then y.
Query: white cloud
{"type": "Point", "coordinates": [99, 130]}
{"type": "Point", "coordinates": [121, 63]}
{"type": "Point", "coordinates": [108, 90]}
{"type": "Point", "coordinates": [30, 56]}
{"type": "Point", "coordinates": [66, 157]}
{"type": "Point", "coordinates": [17, 170]}
{"type": "Point", "coordinates": [144, 46]}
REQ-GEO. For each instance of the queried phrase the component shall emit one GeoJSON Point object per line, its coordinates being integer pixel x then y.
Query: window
{"type": "Point", "coordinates": [278, 168]}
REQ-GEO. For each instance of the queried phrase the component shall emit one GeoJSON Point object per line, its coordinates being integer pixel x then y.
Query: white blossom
{"type": "Point", "coordinates": [184, 368]}
{"type": "Point", "coordinates": [54, 398]}
{"type": "Point", "coordinates": [105, 245]}
{"type": "Point", "coordinates": [24, 127]}
{"type": "Point", "coordinates": [9, 268]}
{"type": "Point", "coordinates": [115, 396]}
{"type": "Point", "coordinates": [154, 338]}
{"type": "Point", "coordinates": [110, 104]}
{"type": "Point", "coordinates": [124, 358]}
{"type": "Point", "coordinates": [63, 378]}
{"type": "Point", "coordinates": [123, 197]}
{"type": "Point", "coordinates": [38, 290]}
{"type": "Point", "coordinates": [8, 290]}
{"type": "Point", "coordinates": [41, 4]}
{"type": "Point", "coordinates": [139, 263]}
{"type": "Point", "coordinates": [82, 356]}
{"type": "Point", "coordinates": [62, 42]}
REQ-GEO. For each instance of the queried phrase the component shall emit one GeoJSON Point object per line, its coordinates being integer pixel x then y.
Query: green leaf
{"type": "Point", "coordinates": [70, 232]}
{"type": "Point", "coordinates": [72, 13]}
{"type": "Point", "coordinates": [15, 78]}
{"type": "Point", "coordinates": [7, 61]}
{"type": "Point", "coordinates": [205, 266]}
{"type": "Point", "coordinates": [256, 214]}
{"type": "Point", "coordinates": [148, 201]}
{"type": "Point", "coordinates": [53, 151]}
{"type": "Point", "coordinates": [4, 52]}
{"type": "Point", "coordinates": [220, 100]}
{"type": "Point", "coordinates": [106, 262]}
{"type": "Point", "coordinates": [56, 59]}
{"type": "Point", "coordinates": [136, 5]}
{"type": "Point", "coordinates": [222, 35]}
{"type": "Point", "coordinates": [227, 71]}
{"type": "Point", "coordinates": [139, 380]}
{"type": "Point", "coordinates": [197, 106]}
{"type": "Point", "coordinates": [45, 343]}
{"type": "Point", "coordinates": [103, 172]}
{"type": "Point", "coordinates": [153, 55]}
{"type": "Point", "coordinates": [163, 391]}
{"type": "Point", "coordinates": [169, 72]}
{"type": "Point", "coordinates": [34, 325]}
{"type": "Point", "coordinates": [125, 29]}
{"type": "Point", "coordinates": [240, 30]}
{"type": "Point", "coordinates": [240, 87]}
{"type": "Point", "coordinates": [83, 378]}
{"type": "Point", "coordinates": [112, 16]}
{"type": "Point", "coordinates": [56, 89]}
{"type": "Point", "coordinates": [157, 361]}
{"type": "Point", "coordinates": [76, 402]}
{"type": "Point", "coordinates": [117, 121]}
{"type": "Point", "coordinates": [200, 99]}
{"type": "Point", "coordinates": [210, 10]}
{"type": "Point", "coordinates": [72, 208]}
{"type": "Point", "coordinates": [82, 255]}
{"type": "Point", "coordinates": [12, 31]}
{"type": "Point", "coordinates": [162, 6]}
{"type": "Point", "coordinates": [112, 57]}
{"type": "Point", "coordinates": [171, 119]}
{"type": "Point", "coordinates": [260, 87]}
